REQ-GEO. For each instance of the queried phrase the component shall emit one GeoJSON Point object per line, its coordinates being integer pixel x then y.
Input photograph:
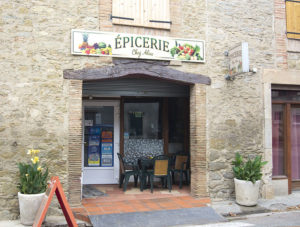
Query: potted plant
{"type": "Point", "coordinates": [32, 185]}
{"type": "Point", "coordinates": [247, 179]}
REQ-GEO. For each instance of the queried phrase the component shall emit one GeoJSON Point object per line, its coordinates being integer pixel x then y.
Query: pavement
{"type": "Point", "coordinates": [51, 221]}
{"type": "Point", "coordinates": [161, 218]}
{"type": "Point", "coordinates": [228, 209]}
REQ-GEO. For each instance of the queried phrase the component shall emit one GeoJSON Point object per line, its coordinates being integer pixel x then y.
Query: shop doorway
{"type": "Point", "coordinates": [101, 130]}
{"type": "Point", "coordinates": [153, 122]}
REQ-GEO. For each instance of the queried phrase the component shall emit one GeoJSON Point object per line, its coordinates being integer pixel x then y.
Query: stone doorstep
{"type": "Point", "coordinates": [60, 221]}
{"type": "Point", "coordinates": [230, 209]}
{"type": "Point", "coordinates": [82, 217]}
{"type": "Point", "coordinates": [244, 211]}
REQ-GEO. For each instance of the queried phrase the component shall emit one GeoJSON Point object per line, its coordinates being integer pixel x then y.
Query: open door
{"type": "Point", "coordinates": [101, 136]}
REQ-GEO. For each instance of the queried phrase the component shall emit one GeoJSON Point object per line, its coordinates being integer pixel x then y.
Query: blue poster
{"type": "Point", "coordinates": [94, 150]}
{"type": "Point", "coordinates": [106, 154]}
{"type": "Point", "coordinates": [107, 148]}
{"type": "Point", "coordinates": [95, 130]}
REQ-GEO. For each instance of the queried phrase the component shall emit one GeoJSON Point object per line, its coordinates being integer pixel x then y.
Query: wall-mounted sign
{"type": "Point", "coordinates": [137, 46]}
{"type": "Point", "coordinates": [238, 59]}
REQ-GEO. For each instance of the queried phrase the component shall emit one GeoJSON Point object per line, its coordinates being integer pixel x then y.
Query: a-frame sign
{"type": "Point", "coordinates": [54, 186]}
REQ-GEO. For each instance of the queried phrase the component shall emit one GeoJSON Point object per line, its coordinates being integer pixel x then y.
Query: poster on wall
{"type": "Point", "coordinates": [106, 148]}
{"type": "Point", "coordinates": [94, 150]}
{"type": "Point", "coordinates": [97, 43]}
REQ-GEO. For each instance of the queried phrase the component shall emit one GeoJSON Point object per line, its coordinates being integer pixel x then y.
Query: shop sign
{"type": "Point", "coordinates": [238, 59]}
{"type": "Point", "coordinates": [123, 45]}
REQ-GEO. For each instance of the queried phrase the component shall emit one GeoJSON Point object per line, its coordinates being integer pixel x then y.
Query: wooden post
{"type": "Point", "coordinates": [165, 124]}
{"type": "Point", "coordinates": [288, 146]}
{"type": "Point", "coordinates": [122, 126]}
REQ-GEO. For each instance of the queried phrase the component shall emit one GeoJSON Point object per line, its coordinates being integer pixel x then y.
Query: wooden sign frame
{"type": "Point", "coordinates": [54, 186]}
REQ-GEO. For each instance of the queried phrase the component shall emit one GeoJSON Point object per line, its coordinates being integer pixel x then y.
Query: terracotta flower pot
{"type": "Point", "coordinates": [246, 192]}
{"type": "Point", "coordinates": [29, 205]}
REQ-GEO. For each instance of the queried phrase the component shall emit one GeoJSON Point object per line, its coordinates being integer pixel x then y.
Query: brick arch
{"type": "Point", "coordinates": [123, 68]}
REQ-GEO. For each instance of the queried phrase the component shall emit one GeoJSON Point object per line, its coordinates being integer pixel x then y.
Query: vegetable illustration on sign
{"type": "Point", "coordinates": [186, 52]}
{"type": "Point", "coordinates": [137, 46]}
{"type": "Point", "coordinates": [97, 48]}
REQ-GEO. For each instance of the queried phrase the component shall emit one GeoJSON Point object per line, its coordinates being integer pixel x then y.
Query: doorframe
{"type": "Point", "coordinates": [116, 139]}
{"type": "Point", "coordinates": [197, 132]}
{"type": "Point", "coordinates": [287, 106]}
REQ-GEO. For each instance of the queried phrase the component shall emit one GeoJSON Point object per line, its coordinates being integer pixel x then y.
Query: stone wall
{"type": "Point", "coordinates": [294, 59]}
{"type": "Point", "coordinates": [35, 41]}
{"type": "Point", "coordinates": [235, 108]}
{"type": "Point", "coordinates": [35, 49]}
{"type": "Point", "coordinates": [285, 72]}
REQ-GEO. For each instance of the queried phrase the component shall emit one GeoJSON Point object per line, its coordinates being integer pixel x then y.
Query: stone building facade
{"type": "Point", "coordinates": [42, 104]}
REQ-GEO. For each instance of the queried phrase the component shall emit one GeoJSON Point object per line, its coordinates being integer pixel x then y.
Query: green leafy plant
{"type": "Point", "coordinates": [248, 171]}
{"type": "Point", "coordinates": [33, 178]}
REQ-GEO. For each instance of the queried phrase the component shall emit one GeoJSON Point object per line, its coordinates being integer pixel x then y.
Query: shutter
{"type": "Point", "coordinates": [156, 13]}
{"type": "Point", "coordinates": [293, 19]}
{"type": "Point", "coordinates": [127, 12]}
{"type": "Point", "coordinates": [134, 87]}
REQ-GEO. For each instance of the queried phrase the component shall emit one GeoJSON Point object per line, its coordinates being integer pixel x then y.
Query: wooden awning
{"type": "Point", "coordinates": [126, 68]}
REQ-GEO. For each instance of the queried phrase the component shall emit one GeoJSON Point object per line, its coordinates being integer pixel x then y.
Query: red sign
{"type": "Point", "coordinates": [54, 186]}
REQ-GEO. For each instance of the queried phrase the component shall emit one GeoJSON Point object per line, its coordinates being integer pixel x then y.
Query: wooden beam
{"type": "Point", "coordinates": [138, 67]}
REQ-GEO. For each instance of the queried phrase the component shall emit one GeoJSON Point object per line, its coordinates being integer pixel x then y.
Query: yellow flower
{"type": "Point", "coordinates": [29, 152]}
{"type": "Point", "coordinates": [36, 152]}
{"type": "Point", "coordinates": [26, 174]}
{"type": "Point", "coordinates": [39, 168]}
{"type": "Point", "coordinates": [35, 159]}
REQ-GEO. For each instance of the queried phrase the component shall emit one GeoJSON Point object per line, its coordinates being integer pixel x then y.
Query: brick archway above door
{"type": "Point", "coordinates": [124, 67]}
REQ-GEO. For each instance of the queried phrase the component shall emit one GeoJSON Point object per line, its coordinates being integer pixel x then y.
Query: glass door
{"type": "Point", "coordinates": [286, 136]}
{"type": "Point", "coordinates": [101, 142]}
{"type": "Point", "coordinates": [295, 144]}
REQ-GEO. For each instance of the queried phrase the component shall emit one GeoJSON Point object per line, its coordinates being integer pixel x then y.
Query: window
{"type": "Point", "coordinates": [278, 140]}
{"type": "Point", "coordinates": [142, 120]}
{"type": "Point", "coordinates": [293, 19]}
{"type": "Point", "coordinates": [145, 13]}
